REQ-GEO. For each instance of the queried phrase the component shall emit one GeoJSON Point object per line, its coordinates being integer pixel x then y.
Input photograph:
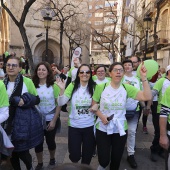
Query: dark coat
{"type": "Point", "coordinates": [27, 130]}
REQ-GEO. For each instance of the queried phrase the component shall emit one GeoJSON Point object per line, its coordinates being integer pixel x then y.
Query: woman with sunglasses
{"type": "Point", "coordinates": [23, 126]}
{"type": "Point", "coordinates": [81, 121]}
{"type": "Point", "coordinates": [111, 125]}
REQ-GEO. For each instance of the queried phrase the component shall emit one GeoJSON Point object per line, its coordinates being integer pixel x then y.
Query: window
{"type": "Point", "coordinates": [109, 28]}
{"type": "Point", "coordinates": [90, 15]}
{"type": "Point", "coordinates": [90, 6]}
{"type": "Point", "coordinates": [98, 6]}
{"type": "Point", "coordinates": [96, 46]}
{"type": "Point", "coordinates": [99, 30]}
{"type": "Point", "coordinates": [97, 38]}
{"type": "Point", "coordinates": [109, 20]}
{"type": "Point", "coordinates": [109, 3]}
{"type": "Point", "coordinates": [98, 23]}
{"type": "Point", "coordinates": [98, 14]}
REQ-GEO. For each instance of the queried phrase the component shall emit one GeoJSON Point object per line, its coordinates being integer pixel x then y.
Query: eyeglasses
{"type": "Point", "coordinates": [87, 72]}
{"type": "Point", "coordinates": [115, 70]}
{"type": "Point", "coordinates": [102, 71]}
{"type": "Point", "coordinates": [8, 65]}
{"type": "Point", "coordinates": [134, 62]}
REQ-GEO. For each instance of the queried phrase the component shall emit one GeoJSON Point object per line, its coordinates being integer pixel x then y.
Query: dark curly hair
{"type": "Point", "coordinates": [91, 84]}
{"type": "Point", "coordinates": [50, 78]}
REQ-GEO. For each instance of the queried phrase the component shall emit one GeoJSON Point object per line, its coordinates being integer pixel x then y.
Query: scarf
{"type": "Point", "coordinates": [16, 92]}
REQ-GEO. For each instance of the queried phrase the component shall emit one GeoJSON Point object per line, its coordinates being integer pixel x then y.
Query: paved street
{"type": "Point", "coordinates": [142, 150]}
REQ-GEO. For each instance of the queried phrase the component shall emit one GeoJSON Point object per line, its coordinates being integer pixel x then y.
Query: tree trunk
{"type": "Point", "coordinates": [155, 36]}
{"type": "Point", "coordinates": [61, 43]}
{"type": "Point", "coordinates": [27, 47]}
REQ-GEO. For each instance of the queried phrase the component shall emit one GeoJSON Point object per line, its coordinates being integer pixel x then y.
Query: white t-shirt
{"type": "Point", "coordinates": [72, 73]}
{"type": "Point", "coordinates": [113, 101]}
{"type": "Point", "coordinates": [2, 74]}
{"type": "Point", "coordinates": [10, 88]}
{"type": "Point", "coordinates": [47, 101]}
{"type": "Point", "coordinates": [134, 81]}
{"type": "Point", "coordinates": [101, 81]}
{"type": "Point", "coordinates": [79, 115]}
{"type": "Point", "coordinates": [155, 98]}
{"type": "Point", "coordinates": [134, 73]}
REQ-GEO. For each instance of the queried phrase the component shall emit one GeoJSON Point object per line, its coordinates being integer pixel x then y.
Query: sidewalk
{"type": "Point", "coordinates": [142, 155]}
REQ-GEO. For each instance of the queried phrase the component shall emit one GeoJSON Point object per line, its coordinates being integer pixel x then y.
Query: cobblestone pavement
{"type": "Point", "coordinates": [142, 155]}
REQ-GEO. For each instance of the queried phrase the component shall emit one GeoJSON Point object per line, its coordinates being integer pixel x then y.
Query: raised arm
{"type": "Point", "coordinates": [146, 94]}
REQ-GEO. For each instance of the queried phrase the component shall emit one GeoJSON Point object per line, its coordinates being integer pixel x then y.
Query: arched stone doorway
{"type": "Point", "coordinates": [50, 58]}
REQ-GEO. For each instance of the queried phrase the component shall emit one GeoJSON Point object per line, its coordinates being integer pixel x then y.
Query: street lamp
{"type": "Point", "coordinates": [47, 24]}
{"type": "Point", "coordinates": [147, 24]}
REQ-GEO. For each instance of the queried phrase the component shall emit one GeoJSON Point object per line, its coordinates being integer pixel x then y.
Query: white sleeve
{"type": "Point", "coordinates": [4, 114]}
{"type": "Point", "coordinates": [62, 100]}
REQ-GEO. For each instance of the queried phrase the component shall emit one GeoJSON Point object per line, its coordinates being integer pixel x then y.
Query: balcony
{"type": "Point", "coordinates": [149, 8]}
{"type": "Point", "coordinates": [162, 41]}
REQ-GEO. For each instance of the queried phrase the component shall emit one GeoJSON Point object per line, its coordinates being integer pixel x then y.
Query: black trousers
{"type": "Point", "coordinates": [25, 156]}
{"type": "Point", "coordinates": [110, 149]}
{"type": "Point", "coordinates": [50, 139]}
{"type": "Point", "coordinates": [155, 119]}
{"type": "Point", "coordinates": [81, 143]}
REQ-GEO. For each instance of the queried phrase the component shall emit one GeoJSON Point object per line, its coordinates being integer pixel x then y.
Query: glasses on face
{"type": "Point", "coordinates": [115, 70]}
{"type": "Point", "coordinates": [87, 72]}
{"type": "Point", "coordinates": [134, 62]}
{"type": "Point", "coordinates": [102, 71]}
{"type": "Point", "coordinates": [8, 65]}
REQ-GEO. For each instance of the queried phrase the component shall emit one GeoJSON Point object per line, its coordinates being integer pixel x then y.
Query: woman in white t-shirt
{"type": "Point", "coordinates": [48, 92]}
{"type": "Point", "coordinates": [111, 125]}
{"type": "Point", "coordinates": [81, 138]}
{"type": "Point", "coordinates": [100, 76]}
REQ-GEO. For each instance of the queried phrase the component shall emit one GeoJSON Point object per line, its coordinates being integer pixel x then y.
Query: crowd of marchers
{"type": "Point", "coordinates": [105, 107]}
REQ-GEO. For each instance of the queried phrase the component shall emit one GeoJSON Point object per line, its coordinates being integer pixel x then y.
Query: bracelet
{"type": "Point", "coordinates": [144, 80]}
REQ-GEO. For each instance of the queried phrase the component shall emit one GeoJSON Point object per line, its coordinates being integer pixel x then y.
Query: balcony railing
{"type": "Point", "coordinates": [149, 8]}
{"type": "Point", "coordinates": [162, 39]}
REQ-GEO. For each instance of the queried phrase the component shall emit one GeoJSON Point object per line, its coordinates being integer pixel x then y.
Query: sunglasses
{"type": "Point", "coordinates": [87, 72]}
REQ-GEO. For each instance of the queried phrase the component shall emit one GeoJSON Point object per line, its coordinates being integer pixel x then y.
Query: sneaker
{"type": "Point", "coordinates": [39, 166]}
{"type": "Point", "coordinates": [145, 130]}
{"type": "Point", "coordinates": [52, 162]}
{"type": "Point", "coordinates": [132, 162]}
{"type": "Point", "coordinates": [154, 156]}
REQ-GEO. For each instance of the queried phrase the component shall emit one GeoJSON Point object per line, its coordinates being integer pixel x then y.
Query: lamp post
{"type": "Point", "coordinates": [147, 24]}
{"type": "Point", "coordinates": [71, 42]}
{"type": "Point", "coordinates": [122, 46]}
{"type": "Point", "coordinates": [47, 24]}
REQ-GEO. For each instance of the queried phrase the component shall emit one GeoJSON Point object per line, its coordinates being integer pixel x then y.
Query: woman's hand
{"type": "Point", "coordinates": [51, 125]}
{"type": "Point", "coordinates": [94, 108]}
{"type": "Point", "coordinates": [143, 72]}
{"type": "Point", "coordinates": [164, 142]}
{"type": "Point", "coordinates": [21, 102]}
{"type": "Point", "coordinates": [104, 119]}
{"type": "Point", "coordinates": [60, 83]}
